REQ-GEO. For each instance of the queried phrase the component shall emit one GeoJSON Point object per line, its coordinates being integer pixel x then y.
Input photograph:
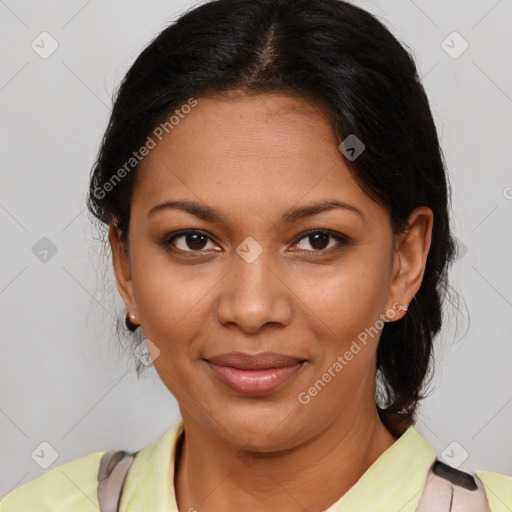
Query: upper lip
{"type": "Point", "coordinates": [263, 360]}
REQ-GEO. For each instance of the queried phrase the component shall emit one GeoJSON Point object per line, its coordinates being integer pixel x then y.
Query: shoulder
{"type": "Point", "coordinates": [498, 488]}
{"type": "Point", "coordinates": [70, 486]}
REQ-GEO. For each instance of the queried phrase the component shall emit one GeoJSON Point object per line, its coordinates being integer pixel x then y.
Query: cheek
{"type": "Point", "coordinates": [170, 301]}
{"type": "Point", "coordinates": [347, 306]}
{"type": "Point", "coordinates": [349, 297]}
{"type": "Point", "coordinates": [172, 309]}
{"type": "Point", "coordinates": [347, 322]}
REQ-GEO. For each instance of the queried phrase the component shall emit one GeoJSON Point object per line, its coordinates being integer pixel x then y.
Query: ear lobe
{"type": "Point", "coordinates": [122, 267]}
{"type": "Point", "coordinates": [411, 257]}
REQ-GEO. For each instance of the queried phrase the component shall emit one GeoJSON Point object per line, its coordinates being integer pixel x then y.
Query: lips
{"type": "Point", "coordinates": [254, 375]}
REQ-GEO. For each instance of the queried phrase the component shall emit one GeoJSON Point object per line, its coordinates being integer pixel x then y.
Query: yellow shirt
{"type": "Point", "coordinates": [393, 483]}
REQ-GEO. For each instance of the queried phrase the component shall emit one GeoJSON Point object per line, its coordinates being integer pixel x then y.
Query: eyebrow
{"type": "Point", "coordinates": [213, 215]}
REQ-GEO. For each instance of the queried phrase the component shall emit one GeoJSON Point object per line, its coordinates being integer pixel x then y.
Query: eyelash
{"type": "Point", "coordinates": [342, 240]}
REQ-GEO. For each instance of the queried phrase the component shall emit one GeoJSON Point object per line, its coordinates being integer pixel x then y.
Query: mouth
{"type": "Point", "coordinates": [254, 375]}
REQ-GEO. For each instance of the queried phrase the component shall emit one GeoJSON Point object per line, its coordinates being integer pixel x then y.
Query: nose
{"type": "Point", "coordinates": [253, 294]}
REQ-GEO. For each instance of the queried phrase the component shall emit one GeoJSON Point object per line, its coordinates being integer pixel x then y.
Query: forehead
{"type": "Point", "coordinates": [261, 151]}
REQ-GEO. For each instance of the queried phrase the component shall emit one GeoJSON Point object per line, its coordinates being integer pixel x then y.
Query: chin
{"type": "Point", "coordinates": [266, 426]}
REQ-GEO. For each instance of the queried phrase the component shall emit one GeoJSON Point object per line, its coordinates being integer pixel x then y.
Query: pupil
{"type": "Point", "coordinates": [319, 239]}
{"type": "Point", "coordinates": [196, 240]}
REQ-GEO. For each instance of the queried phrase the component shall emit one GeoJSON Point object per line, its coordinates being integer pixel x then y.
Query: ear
{"type": "Point", "coordinates": [122, 268]}
{"type": "Point", "coordinates": [411, 251]}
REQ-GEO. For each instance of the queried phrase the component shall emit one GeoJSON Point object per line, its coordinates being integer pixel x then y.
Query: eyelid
{"type": "Point", "coordinates": [339, 237]}
{"type": "Point", "coordinates": [309, 232]}
{"type": "Point", "coordinates": [342, 240]}
{"type": "Point", "coordinates": [166, 242]}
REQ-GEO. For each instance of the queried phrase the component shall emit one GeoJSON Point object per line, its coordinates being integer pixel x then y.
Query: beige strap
{"type": "Point", "coordinates": [450, 490]}
{"type": "Point", "coordinates": [112, 472]}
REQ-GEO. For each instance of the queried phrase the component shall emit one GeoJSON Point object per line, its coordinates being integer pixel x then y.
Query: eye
{"type": "Point", "coordinates": [318, 240]}
{"type": "Point", "coordinates": [188, 241]}
{"type": "Point", "coordinates": [192, 240]}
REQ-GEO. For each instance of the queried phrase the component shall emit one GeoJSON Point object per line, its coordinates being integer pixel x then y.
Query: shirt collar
{"type": "Point", "coordinates": [394, 481]}
{"type": "Point", "coordinates": [149, 483]}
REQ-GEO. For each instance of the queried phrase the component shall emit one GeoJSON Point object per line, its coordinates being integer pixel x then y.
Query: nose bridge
{"type": "Point", "coordinates": [252, 293]}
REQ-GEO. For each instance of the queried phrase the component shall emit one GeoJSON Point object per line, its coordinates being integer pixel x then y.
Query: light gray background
{"type": "Point", "coordinates": [61, 378]}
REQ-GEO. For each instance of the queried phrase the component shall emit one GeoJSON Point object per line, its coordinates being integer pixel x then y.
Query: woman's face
{"type": "Point", "coordinates": [252, 281]}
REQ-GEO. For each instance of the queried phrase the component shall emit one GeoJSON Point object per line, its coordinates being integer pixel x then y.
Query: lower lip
{"type": "Point", "coordinates": [254, 382]}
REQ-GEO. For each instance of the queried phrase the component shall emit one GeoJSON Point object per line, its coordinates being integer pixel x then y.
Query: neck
{"type": "Point", "coordinates": [211, 476]}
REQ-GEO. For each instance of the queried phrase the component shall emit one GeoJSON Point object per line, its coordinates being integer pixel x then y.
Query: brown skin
{"type": "Point", "coordinates": [254, 158]}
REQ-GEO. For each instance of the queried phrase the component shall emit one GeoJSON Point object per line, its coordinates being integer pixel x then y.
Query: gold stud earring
{"type": "Point", "coordinates": [129, 322]}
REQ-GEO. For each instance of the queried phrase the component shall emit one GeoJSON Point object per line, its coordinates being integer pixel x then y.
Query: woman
{"type": "Point", "coordinates": [277, 209]}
